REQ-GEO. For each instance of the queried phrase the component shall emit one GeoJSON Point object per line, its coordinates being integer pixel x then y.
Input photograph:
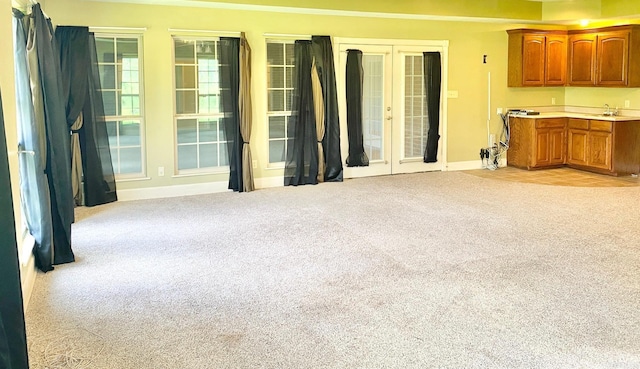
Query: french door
{"type": "Point", "coordinates": [394, 113]}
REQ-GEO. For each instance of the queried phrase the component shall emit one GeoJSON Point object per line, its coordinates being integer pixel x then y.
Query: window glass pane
{"type": "Point", "coordinates": [129, 133]}
{"type": "Point", "coordinates": [276, 77]}
{"type": "Point", "coordinates": [112, 131]}
{"type": "Point", "coordinates": [276, 151]}
{"type": "Point", "coordinates": [206, 49]}
{"type": "Point", "coordinates": [109, 99]}
{"type": "Point", "coordinates": [185, 102]}
{"type": "Point", "coordinates": [208, 104]}
{"type": "Point", "coordinates": [115, 160]}
{"type": "Point", "coordinates": [105, 50]}
{"type": "Point", "coordinates": [184, 52]}
{"type": "Point", "coordinates": [187, 131]}
{"type": "Point", "coordinates": [107, 76]}
{"type": "Point", "coordinates": [185, 76]}
{"type": "Point", "coordinates": [275, 53]}
{"type": "Point", "coordinates": [277, 127]}
{"type": "Point", "coordinates": [127, 48]}
{"type": "Point", "coordinates": [208, 130]}
{"type": "Point", "coordinates": [208, 155]}
{"type": "Point", "coordinates": [187, 157]}
{"type": "Point", "coordinates": [224, 154]}
{"type": "Point", "coordinates": [289, 75]}
{"type": "Point", "coordinates": [276, 100]}
{"type": "Point", "coordinates": [130, 160]}
{"type": "Point", "coordinates": [290, 54]}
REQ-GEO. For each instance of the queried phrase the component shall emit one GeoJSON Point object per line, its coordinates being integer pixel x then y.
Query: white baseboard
{"type": "Point", "coordinates": [28, 274]}
{"type": "Point", "coordinates": [471, 165]}
{"type": "Point", "coordinates": [268, 182]}
{"type": "Point", "coordinates": [172, 191]}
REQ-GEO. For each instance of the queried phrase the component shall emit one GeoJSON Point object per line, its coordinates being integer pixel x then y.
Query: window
{"type": "Point", "coordinates": [200, 141]}
{"type": "Point", "coordinates": [416, 123]}
{"type": "Point", "coordinates": [280, 74]}
{"type": "Point", "coordinates": [120, 67]}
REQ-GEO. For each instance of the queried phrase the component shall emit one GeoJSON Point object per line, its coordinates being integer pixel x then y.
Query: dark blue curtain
{"type": "Point", "coordinates": [13, 338]}
{"type": "Point", "coordinates": [229, 91]}
{"type": "Point", "coordinates": [323, 54]}
{"type": "Point", "coordinates": [354, 74]}
{"type": "Point", "coordinates": [432, 83]}
{"type": "Point", "coordinates": [301, 166]}
{"type": "Point", "coordinates": [58, 163]}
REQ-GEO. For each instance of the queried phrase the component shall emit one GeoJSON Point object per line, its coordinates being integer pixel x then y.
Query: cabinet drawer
{"type": "Point", "coordinates": [601, 125]}
{"type": "Point", "coordinates": [577, 123]}
{"type": "Point", "coordinates": [550, 123]}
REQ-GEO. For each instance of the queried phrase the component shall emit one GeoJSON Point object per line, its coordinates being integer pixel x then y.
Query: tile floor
{"type": "Point", "coordinates": [557, 177]}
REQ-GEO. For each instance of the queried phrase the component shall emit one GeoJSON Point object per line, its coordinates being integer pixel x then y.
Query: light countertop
{"type": "Point", "coordinates": [564, 114]}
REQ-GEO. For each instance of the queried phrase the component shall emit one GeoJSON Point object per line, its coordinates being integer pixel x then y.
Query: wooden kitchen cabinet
{"type": "Point", "coordinates": [537, 58]}
{"type": "Point", "coordinates": [608, 57]}
{"type": "Point", "coordinates": [582, 60]}
{"type": "Point", "coordinates": [608, 147]}
{"type": "Point", "coordinates": [536, 143]}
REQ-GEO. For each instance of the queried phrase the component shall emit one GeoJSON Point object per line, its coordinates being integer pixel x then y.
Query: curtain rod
{"type": "Point", "coordinates": [203, 31]}
{"type": "Point", "coordinates": [285, 35]}
{"type": "Point", "coordinates": [118, 28]}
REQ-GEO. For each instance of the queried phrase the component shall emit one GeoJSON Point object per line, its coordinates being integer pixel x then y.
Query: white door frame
{"type": "Point", "coordinates": [404, 45]}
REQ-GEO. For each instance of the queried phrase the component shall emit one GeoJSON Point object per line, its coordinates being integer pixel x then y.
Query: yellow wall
{"type": "Point", "coordinates": [469, 41]}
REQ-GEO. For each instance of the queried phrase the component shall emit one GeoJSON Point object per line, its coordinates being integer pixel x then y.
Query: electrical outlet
{"type": "Point", "coordinates": [255, 164]}
{"type": "Point", "coordinates": [627, 103]}
{"type": "Point", "coordinates": [160, 171]}
{"type": "Point", "coordinates": [499, 111]}
{"type": "Point", "coordinates": [553, 101]}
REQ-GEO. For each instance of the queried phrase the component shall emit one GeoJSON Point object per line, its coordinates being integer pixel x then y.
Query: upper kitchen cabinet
{"type": "Point", "coordinates": [537, 58]}
{"type": "Point", "coordinates": [608, 57]}
{"type": "Point", "coordinates": [582, 59]}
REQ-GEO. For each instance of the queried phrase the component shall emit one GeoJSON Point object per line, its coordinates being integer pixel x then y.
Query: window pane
{"type": "Point", "coordinates": [187, 158]}
{"type": "Point", "coordinates": [276, 100]}
{"type": "Point", "coordinates": [112, 131]}
{"type": "Point", "coordinates": [208, 130]}
{"type": "Point", "coordinates": [208, 155]}
{"type": "Point", "coordinates": [109, 99]}
{"type": "Point", "coordinates": [184, 52]}
{"type": "Point", "coordinates": [224, 155]}
{"type": "Point", "coordinates": [206, 49]}
{"type": "Point", "coordinates": [185, 76]}
{"type": "Point", "coordinates": [130, 160]}
{"type": "Point", "coordinates": [127, 48]}
{"type": "Point", "coordinates": [275, 53]}
{"type": "Point", "coordinates": [289, 75]}
{"type": "Point", "coordinates": [208, 104]}
{"type": "Point", "coordinates": [129, 133]}
{"type": "Point", "coordinates": [185, 102]}
{"type": "Point", "coordinates": [276, 77]}
{"type": "Point", "coordinates": [107, 76]}
{"type": "Point", "coordinates": [187, 131]}
{"type": "Point", "coordinates": [290, 54]}
{"type": "Point", "coordinates": [276, 151]}
{"type": "Point", "coordinates": [277, 127]}
{"type": "Point", "coordinates": [104, 49]}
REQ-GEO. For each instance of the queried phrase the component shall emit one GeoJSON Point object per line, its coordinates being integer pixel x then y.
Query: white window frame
{"type": "Point", "coordinates": [120, 177]}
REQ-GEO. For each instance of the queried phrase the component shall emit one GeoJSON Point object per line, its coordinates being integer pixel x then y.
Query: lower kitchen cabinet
{"type": "Point", "coordinates": [608, 147]}
{"type": "Point", "coordinates": [537, 143]}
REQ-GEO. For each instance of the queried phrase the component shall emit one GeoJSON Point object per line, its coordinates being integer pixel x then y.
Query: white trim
{"type": "Point", "coordinates": [172, 191]}
{"type": "Point", "coordinates": [103, 29]}
{"type": "Point", "coordinates": [28, 243]}
{"type": "Point", "coordinates": [203, 31]}
{"type": "Point", "coordinates": [470, 165]}
{"type": "Point", "coordinates": [28, 275]}
{"type": "Point", "coordinates": [269, 182]}
{"type": "Point", "coordinates": [329, 12]}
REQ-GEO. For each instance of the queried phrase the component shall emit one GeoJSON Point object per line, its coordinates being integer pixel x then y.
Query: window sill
{"type": "Point", "coordinates": [132, 179]}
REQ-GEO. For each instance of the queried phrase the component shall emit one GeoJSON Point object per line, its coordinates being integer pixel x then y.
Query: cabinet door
{"type": "Point", "coordinates": [613, 58]}
{"type": "Point", "coordinates": [556, 146]}
{"type": "Point", "coordinates": [556, 60]}
{"type": "Point", "coordinates": [533, 57]}
{"type": "Point", "coordinates": [577, 146]}
{"type": "Point", "coordinates": [582, 57]}
{"type": "Point", "coordinates": [599, 151]}
{"type": "Point", "coordinates": [541, 148]}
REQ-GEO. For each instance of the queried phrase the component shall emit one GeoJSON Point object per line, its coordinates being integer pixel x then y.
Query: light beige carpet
{"type": "Point", "coordinates": [434, 270]}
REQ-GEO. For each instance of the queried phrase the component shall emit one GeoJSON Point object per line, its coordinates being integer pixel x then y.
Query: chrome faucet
{"type": "Point", "coordinates": [607, 110]}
